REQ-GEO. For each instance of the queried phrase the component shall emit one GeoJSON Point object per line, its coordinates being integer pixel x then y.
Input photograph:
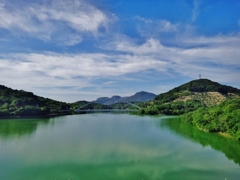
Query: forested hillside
{"type": "Point", "coordinates": [223, 118]}
{"type": "Point", "coordinates": [189, 97]}
{"type": "Point", "coordinates": [197, 87]}
{"type": "Point", "coordinates": [22, 103]}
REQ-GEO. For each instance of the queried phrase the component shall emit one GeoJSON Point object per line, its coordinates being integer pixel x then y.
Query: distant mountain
{"type": "Point", "coordinates": [141, 97]}
{"type": "Point", "coordinates": [102, 100]}
{"type": "Point", "coordinates": [107, 100]}
{"type": "Point", "coordinates": [138, 97]}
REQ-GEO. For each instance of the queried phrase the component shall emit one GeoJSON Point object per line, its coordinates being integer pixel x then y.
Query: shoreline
{"type": "Point", "coordinates": [31, 117]}
{"type": "Point", "coordinates": [223, 134]}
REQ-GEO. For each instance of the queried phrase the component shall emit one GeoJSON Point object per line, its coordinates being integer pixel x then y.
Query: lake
{"type": "Point", "coordinates": [109, 146]}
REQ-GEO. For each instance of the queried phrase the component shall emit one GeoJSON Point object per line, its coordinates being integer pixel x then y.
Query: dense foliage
{"type": "Point", "coordinates": [22, 103]}
{"type": "Point", "coordinates": [173, 108]}
{"type": "Point", "coordinates": [223, 118]}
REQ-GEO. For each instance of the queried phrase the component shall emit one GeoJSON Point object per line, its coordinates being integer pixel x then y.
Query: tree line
{"type": "Point", "coordinates": [22, 103]}
{"type": "Point", "coordinates": [171, 108]}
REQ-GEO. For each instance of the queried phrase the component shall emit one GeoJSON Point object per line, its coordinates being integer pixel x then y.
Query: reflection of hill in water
{"type": "Point", "coordinates": [9, 128]}
{"type": "Point", "coordinates": [230, 147]}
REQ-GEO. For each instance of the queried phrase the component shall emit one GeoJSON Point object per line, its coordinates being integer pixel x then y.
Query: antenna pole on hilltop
{"type": "Point", "coordinates": [199, 76]}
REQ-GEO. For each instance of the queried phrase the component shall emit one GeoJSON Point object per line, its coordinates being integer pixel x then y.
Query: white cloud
{"type": "Point", "coordinates": [213, 57]}
{"type": "Point", "coordinates": [195, 10]}
{"type": "Point", "coordinates": [68, 22]}
{"type": "Point", "coordinates": [216, 58]}
{"type": "Point", "coordinates": [155, 28]}
{"type": "Point", "coordinates": [71, 65]}
{"type": "Point", "coordinates": [161, 25]}
{"type": "Point", "coordinates": [53, 69]}
{"type": "Point", "coordinates": [77, 14]}
{"type": "Point", "coordinates": [218, 40]}
{"type": "Point", "coordinates": [41, 68]}
{"type": "Point", "coordinates": [151, 46]}
{"type": "Point", "coordinates": [50, 20]}
{"type": "Point", "coordinates": [166, 26]}
{"type": "Point", "coordinates": [145, 20]}
{"type": "Point", "coordinates": [219, 49]}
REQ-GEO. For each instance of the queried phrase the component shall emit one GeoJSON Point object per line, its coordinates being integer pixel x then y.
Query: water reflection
{"type": "Point", "coordinates": [20, 127]}
{"type": "Point", "coordinates": [108, 146]}
{"type": "Point", "coordinates": [230, 147]}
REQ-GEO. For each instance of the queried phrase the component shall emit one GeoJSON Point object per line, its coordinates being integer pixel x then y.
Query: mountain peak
{"type": "Point", "coordinates": [115, 97]}
{"type": "Point", "coordinates": [141, 96]}
{"type": "Point", "coordinates": [206, 85]}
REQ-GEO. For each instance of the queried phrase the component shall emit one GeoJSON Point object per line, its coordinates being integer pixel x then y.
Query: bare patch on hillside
{"type": "Point", "coordinates": [208, 98]}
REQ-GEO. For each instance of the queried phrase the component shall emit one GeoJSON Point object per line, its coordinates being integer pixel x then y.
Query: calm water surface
{"type": "Point", "coordinates": [113, 146]}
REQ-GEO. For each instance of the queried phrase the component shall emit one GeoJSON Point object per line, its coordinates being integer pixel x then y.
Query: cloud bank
{"type": "Point", "coordinates": [104, 53]}
{"type": "Point", "coordinates": [57, 20]}
{"type": "Point", "coordinates": [216, 58]}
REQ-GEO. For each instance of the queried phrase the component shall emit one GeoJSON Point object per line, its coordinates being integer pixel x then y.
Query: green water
{"type": "Point", "coordinates": [113, 146]}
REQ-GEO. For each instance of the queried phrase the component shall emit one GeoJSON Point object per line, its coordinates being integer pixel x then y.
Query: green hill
{"type": "Point", "coordinates": [224, 118]}
{"type": "Point", "coordinates": [197, 87]}
{"type": "Point", "coordinates": [22, 103]}
{"type": "Point", "coordinates": [189, 97]}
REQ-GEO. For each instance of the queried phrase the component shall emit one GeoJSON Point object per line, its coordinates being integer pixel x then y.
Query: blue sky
{"type": "Point", "coordinates": [72, 50]}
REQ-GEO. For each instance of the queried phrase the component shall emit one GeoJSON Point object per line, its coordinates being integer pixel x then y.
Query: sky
{"type": "Point", "coordinates": [71, 50]}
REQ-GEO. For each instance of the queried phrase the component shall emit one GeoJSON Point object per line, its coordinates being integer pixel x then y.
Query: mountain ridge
{"type": "Point", "coordinates": [182, 99]}
{"type": "Point", "coordinates": [141, 96]}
